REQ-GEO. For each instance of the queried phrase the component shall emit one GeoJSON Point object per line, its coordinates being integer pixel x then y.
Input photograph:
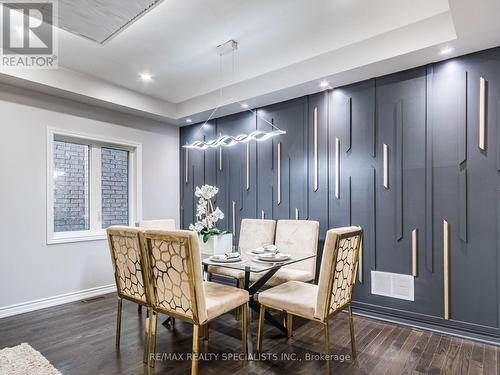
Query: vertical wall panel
{"type": "Point", "coordinates": [290, 116]}
{"type": "Point", "coordinates": [234, 172]}
{"type": "Point", "coordinates": [498, 134]}
{"type": "Point", "coordinates": [429, 170]}
{"type": "Point", "coordinates": [399, 169]}
{"type": "Point", "coordinates": [462, 119]}
{"type": "Point", "coordinates": [401, 100]}
{"type": "Point", "coordinates": [318, 199]}
{"type": "Point", "coordinates": [200, 167]}
{"type": "Point", "coordinates": [462, 192]}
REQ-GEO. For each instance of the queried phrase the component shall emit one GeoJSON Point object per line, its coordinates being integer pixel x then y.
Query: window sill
{"type": "Point", "coordinates": [69, 237]}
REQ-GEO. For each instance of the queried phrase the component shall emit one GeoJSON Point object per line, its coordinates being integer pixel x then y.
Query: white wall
{"type": "Point", "coordinates": [29, 268]}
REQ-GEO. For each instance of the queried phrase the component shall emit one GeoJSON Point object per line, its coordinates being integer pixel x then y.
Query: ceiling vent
{"type": "Point", "coordinates": [101, 20]}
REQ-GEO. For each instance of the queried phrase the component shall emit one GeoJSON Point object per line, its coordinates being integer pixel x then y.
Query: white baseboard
{"type": "Point", "coordinates": [43, 303]}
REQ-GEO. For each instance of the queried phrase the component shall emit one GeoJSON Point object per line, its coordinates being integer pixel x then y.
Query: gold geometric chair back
{"type": "Point", "coordinates": [298, 238]}
{"type": "Point", "coordinates": [163, 224]}
{"type": "Point", "coordinates": [338, 270]}
{"type": "Point", "coordinates": [175, 274]}
{"type": "Point", "coordinates": [256, 233]}
{"type": "Point", "coordinates": [128, 263]}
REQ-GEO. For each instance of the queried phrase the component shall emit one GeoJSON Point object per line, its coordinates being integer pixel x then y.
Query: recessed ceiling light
{"type": "Point", "coordinates": [244, 105]}
{"type": "Point", "coordinates": [188, 120]}
{"type": "Point", "coordinates": [446, 50]}
{"type": "Point", "coordinates": [146, 76]}
{"type": "Point", "coordinates": [324, 84]}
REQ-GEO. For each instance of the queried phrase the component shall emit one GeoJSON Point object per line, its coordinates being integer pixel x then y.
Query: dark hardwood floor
{"type": "Point", "coordinates": [78, 338]}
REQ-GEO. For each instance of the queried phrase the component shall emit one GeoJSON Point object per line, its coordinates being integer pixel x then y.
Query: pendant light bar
{"type": "Point", "coordinates": [229, 140]}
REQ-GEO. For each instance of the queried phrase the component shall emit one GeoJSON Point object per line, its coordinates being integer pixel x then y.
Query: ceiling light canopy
{"type": "Point", "coordinates": [324, 84]}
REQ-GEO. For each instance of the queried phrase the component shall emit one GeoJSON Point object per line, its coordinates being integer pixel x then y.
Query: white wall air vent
{"type": "Point", "coordinates": [393, 285]}
{"type": "Point", "coordinates": [100, 20]}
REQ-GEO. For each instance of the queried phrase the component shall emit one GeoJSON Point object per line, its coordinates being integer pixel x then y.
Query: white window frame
{"type": "Point", "coordinates": [95, 142]}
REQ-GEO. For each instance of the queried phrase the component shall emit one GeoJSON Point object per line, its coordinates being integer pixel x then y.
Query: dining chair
{"type": "Point", "coordinates": [163, 224]}
{"type": "Point", "coordinates": [297, 238]}
{"type": "Point", "coordinates": [129, 265]}
{"type": "Point", "coordinates": [332, 294]}
{"type": "Point", "coordinates": [177, 288]}
{"type": "Point", "coordinates": [254, 233]}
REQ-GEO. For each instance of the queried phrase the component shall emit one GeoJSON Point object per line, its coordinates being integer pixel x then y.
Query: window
{"type": "Point", "coordinates": [92, 183]}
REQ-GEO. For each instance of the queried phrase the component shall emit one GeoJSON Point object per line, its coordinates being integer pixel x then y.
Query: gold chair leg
{"type": "Point", "coordinates": [146, 338]}
{"type": "Point", "coordinates": [327, 349]}
{"type": "Point", "coordinates": [194, 360]}
{"type": "Point", "coordinates": [243, 309]}
{"type": "Point", "coordinates": [351, 327]}
{"type": "Point", "coordinates": [289, 324]}
{"type": "Point", "coordinates": [153, 324]}
{"type": "Point", "coordinates": [261, 327]}
{"type": "Point", "coordinates": [172, 320]}
{"type": "Point", "coordinates": [239, 284]}
{"type": "Point", "coordinates": [118, 321]}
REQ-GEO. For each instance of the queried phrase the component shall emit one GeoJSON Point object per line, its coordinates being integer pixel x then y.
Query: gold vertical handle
{"type": "Point", "coordinates": [315, 147]}
{"type": "Point", "coordinates": [262, 215]}
{"type": "Point", "coordinates": [482, 113]}
{"type": "Point", "coordinates": [296, 214]}
{"type": "Point", "coordinates": [414, 237]}
{"type": "Point", "coordinates": [360, 262]}
{"type": "Point", "coordinates": [248, 167]}
{"type": "Point", "coordinates": [337, 168]}
{"type": "Point", "coordinates": [220, 156]}
{"type": "Point", "coordinates": [446, 242]}
{"type": "Point", "coordinates": [279, 172]}
{"type": "Point", "coordinates": [234, 218]}
{"type": "Point", "coordinates": [186, 166]}
{"type": "Point", "coordinates": [386, 166]}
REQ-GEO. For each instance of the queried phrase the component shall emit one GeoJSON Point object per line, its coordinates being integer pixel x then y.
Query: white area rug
{"type": "Point", "coordinates": [24, 360]}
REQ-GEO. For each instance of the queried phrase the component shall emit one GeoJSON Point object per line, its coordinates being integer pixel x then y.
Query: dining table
{"type": "Point", "coordinates": [264, 270]}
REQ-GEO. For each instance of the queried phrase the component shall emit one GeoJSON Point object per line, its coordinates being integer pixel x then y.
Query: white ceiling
{"type": "Point", "coordinates": [285, 48]}
{"type": "Point", "coordinates": [176, 41]}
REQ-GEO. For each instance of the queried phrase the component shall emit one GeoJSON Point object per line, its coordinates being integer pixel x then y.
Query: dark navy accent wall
{"type": "Point", "coordinates": [429, 120]}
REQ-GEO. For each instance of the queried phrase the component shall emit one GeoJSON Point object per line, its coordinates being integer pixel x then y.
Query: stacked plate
{"type": "Point", "coordinates": [272, 257]}
{"type": "Point", "coordinates": [269, 249]}
{"type": "Point", "coordinates": [226, 258]}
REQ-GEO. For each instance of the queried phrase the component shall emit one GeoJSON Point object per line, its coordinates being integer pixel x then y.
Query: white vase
{"type": "Point", "coordinates": [220, 244]}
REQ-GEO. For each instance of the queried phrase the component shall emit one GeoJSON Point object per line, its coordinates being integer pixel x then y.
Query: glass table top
{"type": "Point", "coordinates": [251, 264]}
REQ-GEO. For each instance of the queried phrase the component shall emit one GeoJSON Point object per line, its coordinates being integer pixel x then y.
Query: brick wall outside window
{"type": "Point", "coordinates": [71, 182]}
{"type": "Point", "coordinates": [114, 169]}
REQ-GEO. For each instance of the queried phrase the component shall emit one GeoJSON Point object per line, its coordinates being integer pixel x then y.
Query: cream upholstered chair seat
{"type": "Point", "coordinates": [254, 233]}
{"type": "Point", "coordinates": [293, 296]}
{"type": "Point", "coordinates": [226, 272]}
{"type": "Point", "coordinates": [220, 299]}
{"type": "Point", "coordinates": [285, 274]}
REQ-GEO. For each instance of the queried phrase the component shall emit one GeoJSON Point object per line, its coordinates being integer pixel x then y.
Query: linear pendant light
{"type": "Point", "coordinates": [228, 140]}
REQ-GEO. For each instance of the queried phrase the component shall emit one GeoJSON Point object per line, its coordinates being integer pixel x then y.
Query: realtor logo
{"type": "Point", "coordinates": [28, 35]}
